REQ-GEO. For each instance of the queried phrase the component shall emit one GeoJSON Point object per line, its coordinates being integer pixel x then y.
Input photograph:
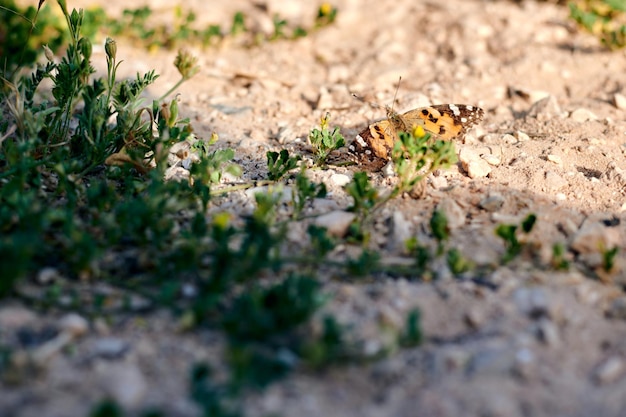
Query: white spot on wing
{"type": "Point", "coordinates": [361, 141]}
{"type": "Point", "coordinates": [455, 109]}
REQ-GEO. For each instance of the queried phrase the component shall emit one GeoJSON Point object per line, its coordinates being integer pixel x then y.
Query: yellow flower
{"type": "Point", "coordinates": [418, 131]}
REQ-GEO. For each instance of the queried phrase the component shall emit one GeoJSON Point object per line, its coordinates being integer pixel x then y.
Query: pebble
{"type": "Point", "coordinates": [74, 324]}
{"type": "Point", "coordinates": [325, 100]}
{"type": "Point", "coordinates": [438, 182]}
{"type": "Point", "coordinates": [548, 333]}
{"type": "Point", "coordinates": [390, 318]}
{"type": "Point", "coordinates": [473, 164]}
{"type": "Point", "coordinates": [478, 169]}
{"type": "Point", "coordinates": [609, 370]}
{"type": "Point", "coordinates": [615, 174]}
{"type": "Point", "coordinates": [340, 180]}
{"type": "Point", "coordinates": [455, 358]}
{"type": "Point", "coordinates": [336, 222]}
{"type": "Point", "coordinates": [492, 160]}
{"type": "Point", "coordinates": [492, 203]}
{"type": "Point", "coordinates": [324, 205]}
{"type": "Point", "coordinates": [554, 181]}
{"type": "Point", "coordinates": [492, 139]}
{"type": "Point", "coordinates": [285, 192]}
{"type": "Point", "coordinates": [453, 212]}
{"type": "Point", "coordinates": [588, 296]}
{"type": "Point", "coordinates": [401, 230]}
{"type": "Point", "coordinates": [594, 237]}
{"type": "Point", "coordinates": [582, 115]}
{"type": "Point", "coordinates": [545, 109]}
{"type": "Point", "coordinates": [474, 318]}
{"type": "Point", "coordinates": [47, 275]}
{"type": "Point", "coordinates": [14, 317]}
{"type": "Point", "coordinates": [45, 352]}
{"type": "Point", "coordinates": [522, 136]}
{"type": "Point", "coordinates": [524, 364]}
{"type": "Point", "coordinates": [491, 361]}
{"type": "Point", "coordinates": [418, 191]}
{"type": "Point", "coordinates": [124, 383]}
{"type": "Point", "coordinates": [508, 139]}
{"type": "Point", "coordinates": [180, 149]}
{"type": "Point", "coordinates": [530, 95]}
{"type": "Point", "coordinates": [555, 159]}
{"type": "Point", "coordinates": [389, 170]}
{"type": "Point", "coordinates": [620, 101]}
{"type": "Point", "coordinates": [617, 309]}
{"type": "Point", "coordinates": [339, 73]}
{"type": "Point", "coordinates": [533, 302]}
{"type": "Point", "coordinates": [110, 347]}
{"type": "Point", "coordinates": [285, 134]}
{"type": "Point", "coordinates": [537, 95]}
{"type": "Point", "coordinates": [176, 173]}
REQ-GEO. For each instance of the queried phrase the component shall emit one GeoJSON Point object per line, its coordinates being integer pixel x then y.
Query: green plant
{"type": "Point", "coordinates": [326, 15]}
{"type": "Point", "coordinates": [365, 264]}
{"type": "Point", "coordinates": [21, 40]}
{"type": "Point", "coordinates": [43, 146]}
{"type": "Point", "coordinates": [213, 163]}
{"type": "Point", "coordinates": [320, 241]}
{"type": "Point", "coordinates": [415, 156]}
{"type": "Point", "coordinates": [457, 263]}
{"type": "Point", "coordinates": [272, 315]}
{"type": "Point", "coordinates": [107, 408]}
{"type": "Point", "coordinates": [421, 255]}
{"type": "Point", "coordinates": [508, 233]}
{"type": "Point", "coordinates": [439, 227]}
{"type": "Point", "coordinates": [279, 164]}
{"type": "Point", "coordinates": [239, 24]}
{"type": "Point", "coordinates": [272, 312]}
{"type": "Point", "coordinates": [73, 199]}
{"type": "Point", "coordinates": [324, 141]}
{"type": "Point", "coordinates": [559, 262]}
{"type": "Point", "coordinates": [305, 191]}
{"type": "Point", "coordinates": [365, 196]}
{"type": "Point", "coordinates": [214, 400]}
{"type": "Point", "coordinates": [608, 258]}
{"type": "Point", "coordinates": [137, 25]}
{"type": "Point", "coordinates": [412, 335]}
{"type": "Point", "coordinates": [330, 348]}
{"type": "Point", "coordinates": [606, 19]}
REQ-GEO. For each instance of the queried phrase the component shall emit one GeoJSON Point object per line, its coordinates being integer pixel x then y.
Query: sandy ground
{"type": "Point", "coordinates": [534, 342]}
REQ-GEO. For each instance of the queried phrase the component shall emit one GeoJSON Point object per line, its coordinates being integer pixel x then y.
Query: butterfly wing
{"type": "Point", "coordinates": [373, 145]}
{"type": "Point", "coordinates": [445, 121]}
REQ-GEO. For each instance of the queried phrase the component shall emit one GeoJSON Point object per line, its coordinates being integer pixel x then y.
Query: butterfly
{"type": "Point", "coordinates": [372, 147]}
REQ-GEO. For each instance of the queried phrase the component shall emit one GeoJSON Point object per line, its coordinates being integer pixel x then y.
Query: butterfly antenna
{"type": "Point", "coordinates": [371, 103]}
{"type": "Point", "coordinates": [393, 103]}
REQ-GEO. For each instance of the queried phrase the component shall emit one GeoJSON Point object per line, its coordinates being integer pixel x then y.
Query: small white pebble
{"type": "Point", "coordinates": [555, 159]}
{"type": "Point", "coordinates": [74, 324]}
{"type": "Point", "coordinates": [521, 136]}
{"type": "Point", "coordinates": [340, 179]}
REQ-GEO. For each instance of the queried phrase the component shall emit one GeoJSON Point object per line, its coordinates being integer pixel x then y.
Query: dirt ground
{"type": "Point", "coordinates": [525, 341]}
